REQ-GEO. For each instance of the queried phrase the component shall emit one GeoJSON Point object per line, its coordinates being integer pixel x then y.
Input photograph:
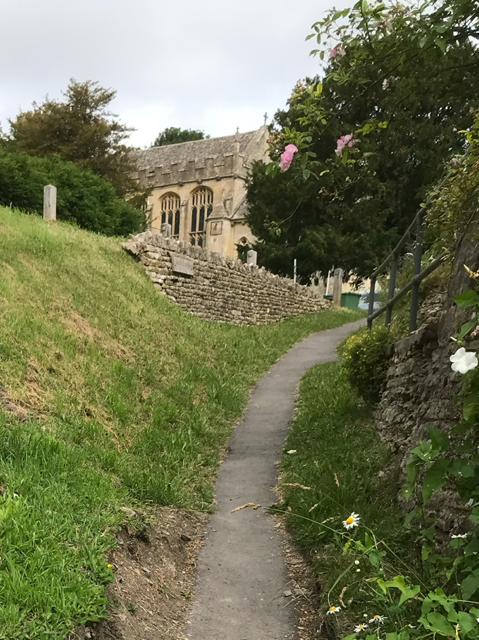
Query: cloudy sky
{"type": "Point", "coordinates": [202, 64]}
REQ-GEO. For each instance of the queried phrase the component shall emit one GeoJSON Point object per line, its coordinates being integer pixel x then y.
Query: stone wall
{"type": "Point", "coordinates": [420, 388]}
{"type": "Point", "coordinates": [221, 289]}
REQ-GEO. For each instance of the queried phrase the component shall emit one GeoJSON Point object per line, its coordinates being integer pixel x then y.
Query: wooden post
{"type": "Point", "coordinates": [50, 203]}
{"type": "Point", "coordinates": [337, 286]}
{"type": "Point", "coordinates": [372, 294]}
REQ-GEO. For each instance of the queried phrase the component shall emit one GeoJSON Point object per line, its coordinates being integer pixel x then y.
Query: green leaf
{"type": "Point", "coordinates": [409, 593]}
{"type": "Point", "coordinates": [466, 328]}
{"type": "Point", "coordinates": [467, 299]}
{"type": "Point", "coordinates": [440, 441]}
{"type": "Point", "coordinates": [408, 490]}
{"type": "Point", "coordinates": [470, 585]}
{"type": "Point", "coordinates": [306, 174]}
{"type": "Point", "coordinates": [437, 623]}
{"type": "Point", "coordinates": [435, 478]}
{"type": "Point", "coordinates": [411, 515]}
{"type": "Point", "coordinates": [466, 622]}
{"type": "Point", "coordinates": [441, 43]}
{"type": "Point", "coordinates": [463, 468]}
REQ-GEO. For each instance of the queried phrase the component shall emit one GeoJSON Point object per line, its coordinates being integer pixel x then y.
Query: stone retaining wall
{"type": "Point", "coordinates": [221, 289]}
{"type": "Point", "coordinates": [421, 386]}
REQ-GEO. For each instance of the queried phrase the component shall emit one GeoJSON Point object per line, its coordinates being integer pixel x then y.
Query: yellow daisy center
{"type": "Point", "coordinates": [350, 520]}
{"type": "Point", "coordinates": [376, 617]}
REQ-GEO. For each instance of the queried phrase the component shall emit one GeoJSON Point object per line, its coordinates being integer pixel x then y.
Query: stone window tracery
{"type": "Point", "coordinates": [170, 213]}
{"type": "Point", "coordinates": [202, 206]}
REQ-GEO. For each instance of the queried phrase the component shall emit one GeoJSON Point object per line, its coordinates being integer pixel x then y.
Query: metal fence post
{"type": "Point", "coordinates": [392, 287]}
{"type": "Point", "coordinates": [417, 271]}
{"type": "Point", "coordinates": [371, 300]}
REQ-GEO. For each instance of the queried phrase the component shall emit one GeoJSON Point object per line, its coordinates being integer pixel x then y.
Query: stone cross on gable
{"type": "Point", "coordinates": [265, 117]}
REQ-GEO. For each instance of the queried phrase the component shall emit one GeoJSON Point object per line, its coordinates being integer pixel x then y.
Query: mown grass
{"type": "Point", "coordinates": [348, 469]}
{"type": "Point", "coordinates": [130, 401]}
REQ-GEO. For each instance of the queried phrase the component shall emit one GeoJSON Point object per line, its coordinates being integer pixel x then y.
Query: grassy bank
{"type": "Point", "coordinates": [129, 400]}
{"type": "Point", "coordinates": [339, 456]}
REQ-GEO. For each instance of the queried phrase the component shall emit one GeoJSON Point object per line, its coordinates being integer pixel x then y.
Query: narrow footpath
{"type": "Point", "coordinates": [241, 571]}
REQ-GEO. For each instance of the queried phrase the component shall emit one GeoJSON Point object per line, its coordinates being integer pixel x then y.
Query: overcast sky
{"type": "Point", "coordinates": [201, 64]}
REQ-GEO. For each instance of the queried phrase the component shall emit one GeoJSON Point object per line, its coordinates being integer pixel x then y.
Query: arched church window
{"type": "Point", "coordinates": [201, 208]}
{"type": "Point", "coordinates": [170, 212]}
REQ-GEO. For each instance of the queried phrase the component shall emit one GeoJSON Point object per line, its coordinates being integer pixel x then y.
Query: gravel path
{"type": "Point", "coordinates": [241, 572]}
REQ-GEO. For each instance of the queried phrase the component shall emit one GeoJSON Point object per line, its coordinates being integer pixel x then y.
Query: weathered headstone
{"type": "Point", "coordinates": [49, 202]}
{"type": "Point", "coordinates": [252, 257]}
{"type": "Point", "coordinates": [165, 229]}
{"type": "Point", "coordinates": [337, 286]}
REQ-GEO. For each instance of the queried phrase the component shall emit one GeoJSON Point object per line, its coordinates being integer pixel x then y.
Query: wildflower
{"type": "Point", "coordinates": [287, 156]}
{"type": "Point", "coordinates": [410, 626]}
{"type": "Point", "coordinates": [352, 521]}
{"type": "Point", "coordinates": [344, 141]}
{"type": "Point", "coordinates": [337, 51]}
{"type": "Point", "coordinates": [356, 562]}
{"type": "Point", "coordinates": [109, 566]}
{"type": "Point", "coordinates": [457, 627]}
{"type": "Point", "coordinates": [333, 609]}
{"type": "Point", "coordinates": [463, 361]}
{"type": "Point", "coordinates": [459, 535]}
{"type": "Point", "coordinates": [360, 627]}
{"type": "Point", "coordinates": [291, 451]}
{"type": "Point", "coordinates": [377, 619]}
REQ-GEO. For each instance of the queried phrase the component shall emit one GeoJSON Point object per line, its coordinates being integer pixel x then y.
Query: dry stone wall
{"type": "Point", "coordinates": [217, 288]}
{"type": "Point", "coordinates": [421, 387]}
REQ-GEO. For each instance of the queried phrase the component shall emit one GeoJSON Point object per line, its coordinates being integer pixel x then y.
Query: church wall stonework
{"type": "Point", "coordinates": [217, 288]}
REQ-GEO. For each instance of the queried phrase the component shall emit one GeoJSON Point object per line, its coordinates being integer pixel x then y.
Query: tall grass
{"type": "Point", "coordinates": [347, 468]}
{"type": "Point", "coordinates": [130, 399]}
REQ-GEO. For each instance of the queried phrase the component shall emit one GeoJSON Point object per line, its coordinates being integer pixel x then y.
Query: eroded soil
{"type": "Point", "coordinates": [154, 579]}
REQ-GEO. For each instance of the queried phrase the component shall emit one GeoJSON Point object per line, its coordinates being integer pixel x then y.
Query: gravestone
{"type": "Point", "coordinates": [251, 257]}
{"type": "Point", "coordinates": [49, 203]}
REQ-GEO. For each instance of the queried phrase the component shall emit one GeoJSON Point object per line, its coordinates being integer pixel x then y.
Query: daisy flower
{"type": "Point", "coordinates": [410, 626]}
{"type": "Point", "coordinates": [333, 609]}
{"type": "Point", "coordinates": [459, 535]}
{"type": "Point", "coordinates": [457, 627]}
{"type": "Point", "coordinates": [352, 521]}
{"type": "Point", "coordinates": [360, 627]}
{"type": "Point", "coordinates": [378, 619]}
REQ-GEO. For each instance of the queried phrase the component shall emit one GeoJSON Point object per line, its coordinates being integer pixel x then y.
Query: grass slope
{"type": "Point", "coordinates": [130, 399]}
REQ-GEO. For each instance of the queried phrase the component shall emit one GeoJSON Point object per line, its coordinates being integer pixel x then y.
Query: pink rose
{"type": "Point", "coordinates": [345, 141]}
{"type": "Point", "coordinates": [287, 156]}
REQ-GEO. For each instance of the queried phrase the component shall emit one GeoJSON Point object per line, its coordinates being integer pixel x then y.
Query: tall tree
{"type": "Point", "coordinates": [345, 201]}
{"type": "Point", "coordinates": [80, 129]}
{"type": "Point", "coordinates": [174, 135]}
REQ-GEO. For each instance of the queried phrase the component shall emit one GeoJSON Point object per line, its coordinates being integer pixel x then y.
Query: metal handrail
{"type": "Point", "coordinates": [418, 274]}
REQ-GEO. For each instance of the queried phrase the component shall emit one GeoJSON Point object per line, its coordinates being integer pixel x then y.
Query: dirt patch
{"type": "Point", "coordinates": [7, 404]}
{"type": "Point", "coordinates": [154, 579]}
{"type": "Point", "coordinates": [75, 323]}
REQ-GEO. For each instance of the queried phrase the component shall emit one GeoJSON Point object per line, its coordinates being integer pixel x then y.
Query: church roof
{"type": "Point", "coordinates": [197, 150]}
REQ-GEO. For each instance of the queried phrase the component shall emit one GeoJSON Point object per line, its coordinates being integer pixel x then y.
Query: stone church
{"type": "Point", "coordinates": [198, 189]}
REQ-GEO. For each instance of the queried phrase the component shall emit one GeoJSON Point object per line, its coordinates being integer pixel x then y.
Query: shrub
{"type": "Point", "coordinates": [83, 197]}
{"type": "Point", "coordinates": [363, 356]}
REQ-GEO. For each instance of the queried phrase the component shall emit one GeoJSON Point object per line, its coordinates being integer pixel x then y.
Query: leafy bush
{"type": "Point", "coordinates": [83, 197]}
{"type": "Point", "coordinates": [363, 356]}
